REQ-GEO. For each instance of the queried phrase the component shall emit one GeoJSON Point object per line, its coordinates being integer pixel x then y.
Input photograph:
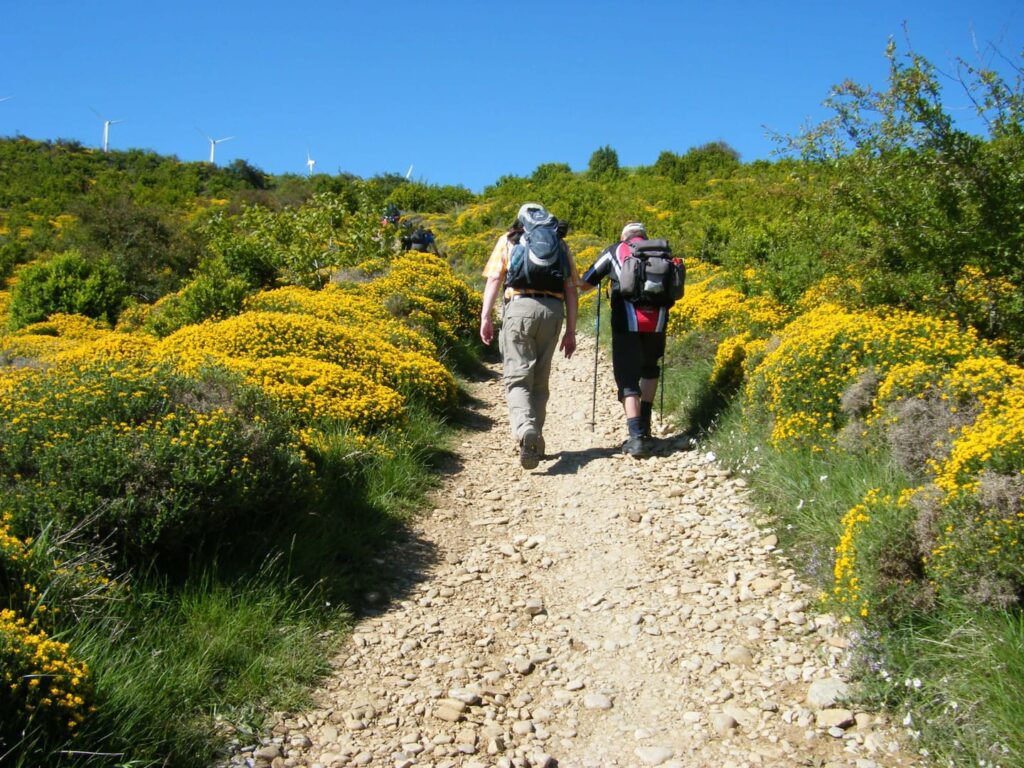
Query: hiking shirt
{"type": "Point", "coordinates": [626, 316]}
{"type": "Point", "coordinates": [497, 266]}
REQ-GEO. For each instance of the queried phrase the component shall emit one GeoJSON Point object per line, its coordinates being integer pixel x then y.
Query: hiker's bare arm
{"type": "Point", "coordinates": [568, 344]}
{"type": "Point", "coordinates": [585, 287]}
{"type": "Point", "coordinates": [490, 296]}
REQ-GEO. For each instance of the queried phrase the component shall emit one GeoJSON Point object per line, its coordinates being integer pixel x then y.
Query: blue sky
{"type": "Point", "coordinates": [463, 91]}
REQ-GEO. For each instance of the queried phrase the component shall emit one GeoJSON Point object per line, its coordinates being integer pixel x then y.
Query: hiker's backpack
{"type": "Point", "coordinates": [420, 239]}
{"type": "Point", "coordinates": [650, 276]}
{"type": "Point", "coordinates": [538, 261]}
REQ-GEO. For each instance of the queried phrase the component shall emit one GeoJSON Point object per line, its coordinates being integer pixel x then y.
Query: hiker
{"type": "Point", "coordinates": [539, 277]}
{"type": "Point", "coordinates": [420, 239]}
{"type": "Point", "coordinates": [391, 215]}
{"type": "Point", "coordinates": [638, 329]}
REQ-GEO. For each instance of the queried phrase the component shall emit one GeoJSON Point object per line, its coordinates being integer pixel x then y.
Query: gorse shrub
{"type": "Point", "coordinates": [712, 306]}
{"type": "Point", "coordinates": [878, 566]}
{"type": "Point", "coordinates": [152, 460]}
{"type": "Point", "coordinates": [43, 341]}
{"type": "Point", "coordinates": [345, 307]}
{"type": "Point", "coordinates": [259, 335]}
{"type": "Point", "coordinates": [46, 691]}
{"type": "Point", "coordinates": [822, 352]}
{"type": "Point", "coordinates": [436, 301]}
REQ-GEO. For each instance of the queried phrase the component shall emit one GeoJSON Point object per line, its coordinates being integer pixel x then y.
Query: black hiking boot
{"type": "Point", "coordinates": [636, 447]}
{"type": "Point", "coordinates": [529, 453]}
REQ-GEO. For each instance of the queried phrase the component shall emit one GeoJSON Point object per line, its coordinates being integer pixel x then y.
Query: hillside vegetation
{"type": "Point", "coordinates": [222, 389]}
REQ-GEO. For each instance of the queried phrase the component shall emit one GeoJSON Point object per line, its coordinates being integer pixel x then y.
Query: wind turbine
{"type": "Point", "coordinates": [5, 98]}
{"type": "Point", "coordinates": [214, 142]}
{"type": "Point", "coordinates": [106, 128]}
{"type": "Point", "coordinates": [408, 173]}
{"type": "Point", "coordinates": [310, 162]}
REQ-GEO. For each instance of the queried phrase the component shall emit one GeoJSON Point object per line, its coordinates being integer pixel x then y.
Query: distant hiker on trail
{"type": "Point", "coordinates": [539, 278]}
{"type": "Point", "coordinates": [645, 282]}
{"type": "Point", "coordinates": [391, 215]}
{"type": "Point", "coordinates": [419, 239]}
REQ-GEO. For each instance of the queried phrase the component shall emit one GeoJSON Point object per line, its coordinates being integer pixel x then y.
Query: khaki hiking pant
{"type": "Point", "coordinates": [528, 340]}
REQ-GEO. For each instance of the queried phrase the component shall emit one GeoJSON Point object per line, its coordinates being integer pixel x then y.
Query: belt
{"type": "Point", "coordinates": [535, 296]}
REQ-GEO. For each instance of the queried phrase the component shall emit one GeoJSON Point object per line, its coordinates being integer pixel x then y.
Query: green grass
{"type": "Point", "coordinates": [176, 659]}
{"type": "Point", "coordinates": [961, 671]}
{"type": "Point", "coordinates": [367, 500]}
{"type": "Point", "coordinates": [177, 663]}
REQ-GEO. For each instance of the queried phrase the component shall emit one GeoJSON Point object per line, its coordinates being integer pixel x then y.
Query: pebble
{"type": "Point", "coordinates": [723, 723]}
{"type": "Point", "coordinates": [823, 694]}
{"type": "Point", "coordinates": [653, 755]}
{"type": "Point", "coordinates": [597, 701]}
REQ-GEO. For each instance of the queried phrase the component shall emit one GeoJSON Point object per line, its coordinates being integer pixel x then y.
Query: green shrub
{"type": "Point", "coordinates": [155, 462]}
{"type": "Point", "coordinates": [215, 292]}
{"type": "Point", "coordinates": [12, 253]}
{"type": "Point", "coordinates": [424, 198]}
{"type": "Point", "coordinates": [67, 283]}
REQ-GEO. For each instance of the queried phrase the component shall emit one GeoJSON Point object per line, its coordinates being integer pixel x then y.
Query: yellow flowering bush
{"type": "Point", "coordinates": [474, 249]}
{"type": "Point", "coordinates": [972, 513]}
{"type": "Point", "coordinates": [967, 519]}
{"type": "Point", "coordinates": [154, 460]}
{"type": "Point", "coordinates": [829, 290]}
{"type": "Point", "coordinates": [423, 289]}
{"type": "Point", "coordinates": [315, 389]}
{"type": "Point", "coordinates": [847, 589]}
{"type": "Point", "coordinates": [44, 687]}
{"type": "Point", "coordinates": [727, 371]}
{"type": "Point", "coordinates": [708, 306]}
{"type": "Point", "coordinates": [823, 351]}
{"type": "Point", "coordinates": [345, 307]}
{"type": "Point", "coordinates": [44, 690]}
{"type": "Point", "coordinates": [111, 347]}
{"type": "Point", "coordinates": [258, 335]}
{"type": "Point", "coordinates": [876, 568]}
{"type": "Point", "coordinates": [45, 340]}
{"type": "Point", "coordinates": [994, 442]}
{"type": "Point", "coordinates": [969, 384]}
{"type": "Point", "coordinates": [975, 544]}
{"type": "Point", "coordinates": [980, 296]}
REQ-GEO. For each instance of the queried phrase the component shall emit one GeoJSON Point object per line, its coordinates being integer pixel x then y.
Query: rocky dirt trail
{"type": "Point", "coordinates": [597, 611]}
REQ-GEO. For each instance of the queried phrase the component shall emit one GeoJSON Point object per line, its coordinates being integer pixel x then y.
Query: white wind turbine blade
{"type": "Point", "coordinates": [409, 172]}
{"type": "Point", "coordinates": [5, 98]}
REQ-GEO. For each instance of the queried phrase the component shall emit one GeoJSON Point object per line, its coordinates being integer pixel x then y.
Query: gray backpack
{"type": "Point", "coordinates": [538, 261]}
{"type": "Point", "coordinates": [650, 276]}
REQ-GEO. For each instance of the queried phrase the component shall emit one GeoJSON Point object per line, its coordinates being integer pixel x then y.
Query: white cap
{"type": "Point", "coordinates": [633, 229]}
{"type": "Point", "coordinates": [532, 211]}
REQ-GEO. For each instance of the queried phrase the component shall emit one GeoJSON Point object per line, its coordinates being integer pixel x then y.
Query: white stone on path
{"type": "Point", "coordinates": [653, 755]}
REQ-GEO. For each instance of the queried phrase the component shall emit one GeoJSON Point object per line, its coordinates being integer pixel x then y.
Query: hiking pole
{"type": "Point", "coordinates": [597, 346]}
{"type": "Point", "coordinates": [661, 408]}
